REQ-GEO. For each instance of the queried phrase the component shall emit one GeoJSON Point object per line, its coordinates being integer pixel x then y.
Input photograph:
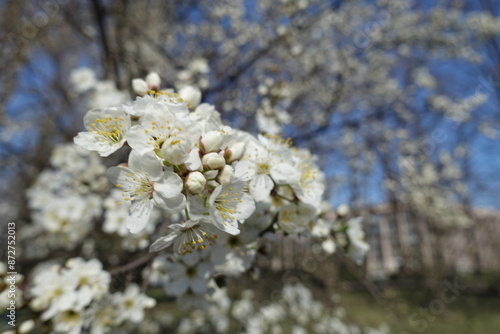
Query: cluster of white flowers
{"type": "Point", "coordinates": [194, 75]}
{"type": "Point", "coordinates": [76, 297]}
{"type": "Point", "coordinates": [272, 114]}
{"type": "Point", "coordinates": [426, 195]}
{"type": "Point", "coordinates": [291, 310]}
{"type": "Point", "coordinates": [227, 186]}
{"type": "Point", "coordinates": [115, 216]}
{"type": "Point", "coordinates": [65, 199]}
{"type": "Point", "coordinates": [99, 93]}
{"type": "Point", "coordinates": [341, 229]}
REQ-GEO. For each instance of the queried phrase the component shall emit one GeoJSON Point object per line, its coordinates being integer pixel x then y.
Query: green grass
{"type": "Point", "coordinates": [467, 314]}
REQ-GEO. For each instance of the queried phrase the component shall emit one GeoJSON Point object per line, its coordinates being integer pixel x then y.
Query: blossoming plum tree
{"type": "Point", "coordinates": [360, 83]}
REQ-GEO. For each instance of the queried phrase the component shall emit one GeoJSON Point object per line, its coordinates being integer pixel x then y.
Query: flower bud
{"type": "Point", "coordinates": [195, 182]}
{"type": "Point", "coordinates": [175, 150]}
{"type": "Point", "coordinates": [226, 175]}
{"type": "Point", "coordinates": [27, 326]}
{"type": "Point", "coordinates": [328, 246]}
{"type": "Point", "coordinates": [211, 141]}
{"type": "Point", "coordinates": [213, 184]}
{"type": "Point", "coordinates": [190, 94]}
{"type": "Point", "coordinates": [153, 80]}
{"type": "Point", "coordinates": [213, 161]}
{"type": "Point", "coordinates": [235, 152]}
{"type": "Point", "coordinates": [343, 210]}
{"type": "Point", "coordinates": [140, 86]}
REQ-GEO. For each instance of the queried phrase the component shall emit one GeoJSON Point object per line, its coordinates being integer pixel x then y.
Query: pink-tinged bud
{"type": "Point", "coordinates": [191, 95]}
{"type": "Point", "coordinates": [195, 182]}
{"type": "Point", "coordinates": [213, 161]}
{"type": "Point", "coordinates": [211, 141]}
{"type": "Point", "coordinates": [153, 80]}
{"type": "Point", "coordinates": [226, 175]}
{"type": "Point", "coordinates": [235, 152]}
{"type": "Point", "coordinates": [140, 86]}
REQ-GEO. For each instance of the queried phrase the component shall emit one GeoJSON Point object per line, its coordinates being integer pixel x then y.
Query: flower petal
{"type": "Point", "coordinates": [163, 242]}
{"type": "Point", "coordinates": [170, 186]}
{"type": "Point", "coordinates": [244, 170]}
{"type": "Point", "coordinates": [177, 287]}
{"type": "Point", "coordinates": [245, 208]}
{"type": "Point", "coordinates": [226, 225]}
{"type": "Point", "coordinates": [117, 175]}
{"type": "Point", "coordinates": [138, 215]}
{"type": "Point", "coordinates": [171, 204]}
{"type": "Point", "coordinates": [146, 163]}
{"type": "Point", "coordinates": [199, 285]}
{"type": "Point", "coordinates": [284, 174]}
{"type": "Point", "coordinates": [260, 187]}
{"type": "Point", "coordinates": [194, 162]}
{"type": "Point", "coordinates": [139, 140]}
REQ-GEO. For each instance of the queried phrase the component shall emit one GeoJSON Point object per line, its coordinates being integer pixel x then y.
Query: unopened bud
{"type": "Point", "coordinates": [213, 161]}
{"type": "Point", "coordinates": [27, 326]}
{"type": "Point", "coordinates": [343, 210]}
{"type": "Point", "coordinates": [195, 182]}
{"type": "Point", "coordinates": [211, 141]}
{"type": "Point", "coordinates": [191, 95]}
{"type": "Point", "coordinates": [140, 86]}
{"type": "Point", "coordinates": [235, 152]}
{"type": "Point", "coordinates": [213, 184]}
{"type": "Point", "coordinates": [153, 80]}
{"type": "Point", "coordinates": [226, 175]}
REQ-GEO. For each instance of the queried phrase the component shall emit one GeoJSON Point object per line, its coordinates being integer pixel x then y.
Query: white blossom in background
{"type": "Point", "coordinates": [190, 94]}
{"type": "Point", "coordinates": [296, 218]}
{"type": "Point", "coordinates": [187, 275]}
{"type": "Point", "coordinates": [357, 244]}
{"type": "Point", "coordinates": [425, 196]}
{"type": "Point", "coordinates": [132, 303]}
{"type": "Point", "coordinates": [65, 200]}
{"type": "Point", "coordinates": [142, 87]}
{"type": "Point", "coordinates": [83, 79]}
{"type": "Point", "coordinates": [93, 281]}
{"type": "Point", "coordinates": [115, 217]}
{"type": "Point", "coordinates": [76, 297]}
{"type": "Point", "coordinates": [54, 291]}
{"type": "Point", "coordinates": [100, 93]}
{"type": "Point", "coordinates": [293, 308]}
{"type": "Point", "coordinates": [105, 94]}
{"type": "Point", "coordinates": [323, 230]}
{"type": "Point", "coordinates": [311, 184]}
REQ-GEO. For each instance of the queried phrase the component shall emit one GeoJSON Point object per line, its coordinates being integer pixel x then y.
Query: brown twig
{"type": "Point", "coordinates": [134, 264]}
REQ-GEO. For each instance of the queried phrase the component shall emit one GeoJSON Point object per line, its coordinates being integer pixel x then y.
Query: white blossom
{"type": "Point", "coordinates": [143, 183]}
{"type": "Point", "coordinates": [357, 244]}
